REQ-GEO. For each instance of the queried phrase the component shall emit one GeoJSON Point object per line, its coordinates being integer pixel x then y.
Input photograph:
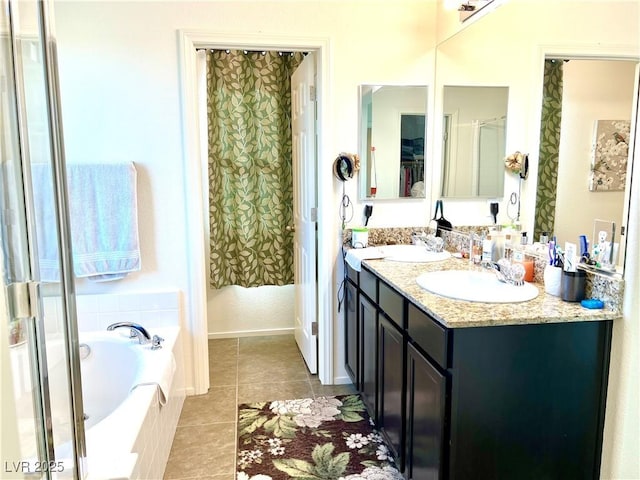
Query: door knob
{"type": "Point", "coordinates": [290, 228]}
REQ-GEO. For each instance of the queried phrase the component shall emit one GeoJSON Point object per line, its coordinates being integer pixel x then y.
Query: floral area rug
{"type": "Point", "coordinates": [325, 438]}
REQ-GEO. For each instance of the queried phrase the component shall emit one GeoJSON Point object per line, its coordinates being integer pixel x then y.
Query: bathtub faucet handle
{"type": "Point", "coordinates": [156, 341]}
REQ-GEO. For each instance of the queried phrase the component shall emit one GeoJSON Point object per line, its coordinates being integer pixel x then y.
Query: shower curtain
{"type": "Point", "coordinates": [549, 147]}
{"type": "Point", "coordinates": [250, 167]}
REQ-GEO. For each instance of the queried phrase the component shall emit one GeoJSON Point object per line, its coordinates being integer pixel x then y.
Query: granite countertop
{"type": "Point", "coordinates": [453, 313]}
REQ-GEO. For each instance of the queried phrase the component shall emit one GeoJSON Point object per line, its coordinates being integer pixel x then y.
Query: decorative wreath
{"type": "Point", "coordinates": [514, 162]}
{"type": "Point", "coordinates": [345, 165]}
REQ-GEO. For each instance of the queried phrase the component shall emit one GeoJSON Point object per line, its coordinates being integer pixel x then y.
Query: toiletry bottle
{"type": "Point", "coordinates": [498, 243]}
{"type": "Point", "coordinates": [519, 257]}
{"type": "Point", "coordinates": [487, 249]}
{"type": "Point", "coordinates": [477, 253]}
{"type": "Point", "coordinates": [508, 245]}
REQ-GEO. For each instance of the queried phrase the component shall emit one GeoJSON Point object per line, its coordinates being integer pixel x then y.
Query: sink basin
{"type": "Point", "coordinates": [475, 286]}
{"type": "Point", "coordinates": [412, 253]}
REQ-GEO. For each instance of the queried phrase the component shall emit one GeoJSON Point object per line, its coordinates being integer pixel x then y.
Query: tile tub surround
{"type": "Point", "coordinates": [458, 314]}
{"type": "Point", "coordinates": [604, 287]}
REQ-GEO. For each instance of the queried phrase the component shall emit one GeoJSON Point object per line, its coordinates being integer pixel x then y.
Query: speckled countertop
{"type": "Point", "coordinates": [452, 313]}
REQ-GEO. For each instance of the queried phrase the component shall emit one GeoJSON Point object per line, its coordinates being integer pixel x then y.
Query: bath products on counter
{"type": "Point", "coordinates": [552, 280]}
{"type": "Point", "coordinates": [519, 257]}
{"type": "Point", "coordinates": [359, 237]}
{"type": "Point", "coordinates": [487, 249]}
{"type": "Point", "coordinates": [498, 244]}
{"type": "Point", "coordinates": [573, 284]}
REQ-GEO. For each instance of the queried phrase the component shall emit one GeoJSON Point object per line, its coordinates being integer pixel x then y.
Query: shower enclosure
{"type": "Point", "coordinates": [41, 423]}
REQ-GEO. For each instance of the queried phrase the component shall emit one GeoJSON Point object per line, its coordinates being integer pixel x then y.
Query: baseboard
{"type": "Point", "coordinates": [251, 333]}
{"type": "Point", "coordinates": [342, 380]}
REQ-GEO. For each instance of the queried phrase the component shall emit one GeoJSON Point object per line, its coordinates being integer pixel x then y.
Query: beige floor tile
{"type": "Point", "coordinates": [202, 450]}
{"type": "Point", "coordinates": [270, 368]}
{"type": "Point", "coordinates": [265, 392]}
{"type": "Point", "coordinates": [218, 405]}
{"type": "Point", "coordinates": [223, 346]}
{"type": "Point", "coordinates": [272, 343]}
{"type": "Point", "coordinates": [223, 371]}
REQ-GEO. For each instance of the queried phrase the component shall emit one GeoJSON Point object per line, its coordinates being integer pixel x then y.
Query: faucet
{"type": "Point", "coordinates": [505, 272]}
{"type": "Point", "coordinates": [136, 331]}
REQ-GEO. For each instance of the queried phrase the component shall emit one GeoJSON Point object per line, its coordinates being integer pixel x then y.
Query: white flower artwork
{"type": "Point", "coordinates": [610, 153]}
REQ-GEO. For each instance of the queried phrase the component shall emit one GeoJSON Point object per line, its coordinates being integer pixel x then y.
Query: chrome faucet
{"type": "Point", "coordinates": [506, 272]}
{"type": "Point", "coordinates": [136, 331]}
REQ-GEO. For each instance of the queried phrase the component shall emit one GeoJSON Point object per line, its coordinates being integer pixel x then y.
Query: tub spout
{"type": "Point", "coordinates": [136, 331]}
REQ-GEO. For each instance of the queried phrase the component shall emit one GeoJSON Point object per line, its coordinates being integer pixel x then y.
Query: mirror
{"type": "Point", "coordinates": [474, 136]}
{"type": "Point", "coordinates": [392, 141]}
{"type": "Point", "coordinates": [478, 55]}
{"type": "Point", "coordinates": [596, 96]}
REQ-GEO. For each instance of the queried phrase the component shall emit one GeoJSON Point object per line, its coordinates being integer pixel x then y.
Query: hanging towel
{"type": "Point", "coordinates": [103, 216]}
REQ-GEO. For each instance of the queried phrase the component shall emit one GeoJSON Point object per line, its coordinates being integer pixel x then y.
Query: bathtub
{"type": "Point", "coordinates": [130, 420]}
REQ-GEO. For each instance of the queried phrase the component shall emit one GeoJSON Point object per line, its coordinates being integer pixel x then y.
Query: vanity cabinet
{"type": "Point", "coordinates": [491, 402]}
{"type": "Point", "coordinates": [425, 417]}
{"type": "Point", "coordinates": [351, 332]}
{"type": "Point", "coordinates": [391, 358]}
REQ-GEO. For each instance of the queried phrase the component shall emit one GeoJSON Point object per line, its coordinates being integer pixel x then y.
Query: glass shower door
{"type": "Point", "coordinates": [41, 426]}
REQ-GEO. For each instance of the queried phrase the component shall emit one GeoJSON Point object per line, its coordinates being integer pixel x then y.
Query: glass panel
{"type": "Point", "coordinates": [21, 404]}
{"type": "Point", "coordinates": [40, 344]}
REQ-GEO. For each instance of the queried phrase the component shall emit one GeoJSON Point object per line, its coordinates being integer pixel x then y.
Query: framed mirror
{"type": "Point", "coordinates": [392, 130]}
{"type": "Point", "coordinates": [474, 136]}
{"type": "Point", "coordinates": [478, 55]}
{"type": "Point", "coordinates": [592, 135]}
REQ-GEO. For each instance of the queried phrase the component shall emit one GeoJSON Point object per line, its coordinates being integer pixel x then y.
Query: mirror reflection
{"type": "Point", "coordinates": [479, 55]}
{"type": "Point", "coordinates": [474, 135]}
{"type": "Point", "coordinates": [596, 98]}
{"type": "Point", "coordinates": [392, 141]}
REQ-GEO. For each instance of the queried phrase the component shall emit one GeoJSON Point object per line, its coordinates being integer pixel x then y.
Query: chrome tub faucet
{"type": "Point", "coordinates": [136, 331]}
{"type": "Point", "coordinates": [139, 332]}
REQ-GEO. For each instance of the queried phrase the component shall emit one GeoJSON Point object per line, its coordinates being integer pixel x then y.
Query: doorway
{"type": "Point", "coordinates": [196, 297]}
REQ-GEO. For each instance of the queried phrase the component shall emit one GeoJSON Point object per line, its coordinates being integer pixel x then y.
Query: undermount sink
{"type": "Point", "coordinates": [475, 286]}
{"type": "Point", "coordinates": [412, 253]}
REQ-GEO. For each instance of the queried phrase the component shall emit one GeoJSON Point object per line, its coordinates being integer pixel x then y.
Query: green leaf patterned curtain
{"type": "Point", "coordinates": [549, 148]}
{"type": "Point", "coordinates": [250, 167]}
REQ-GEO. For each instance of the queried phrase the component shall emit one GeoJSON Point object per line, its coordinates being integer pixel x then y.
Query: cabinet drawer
{"type": "Point", "coordinates": [428, 335]}
{"type": "Point", "coordinates": [391, 303]}
{"type": "Point", "coordinates": [368, 284]}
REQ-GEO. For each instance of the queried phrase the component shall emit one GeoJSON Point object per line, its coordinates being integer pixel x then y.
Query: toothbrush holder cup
{"type": "Point", "coordinates": [573, 285]}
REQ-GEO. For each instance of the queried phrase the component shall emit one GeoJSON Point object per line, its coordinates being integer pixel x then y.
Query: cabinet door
{"type": "Point", "coordinates": [391, 408]}
{"type": "Point", "coordinates": [351, 333]}
{"type": "Point", "coordinates": [368, 317]}
{"type": "Point", "coordinates": [426, 391]}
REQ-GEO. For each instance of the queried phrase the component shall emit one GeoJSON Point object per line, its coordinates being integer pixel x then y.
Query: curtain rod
{"type": "Point", "coordinates": [247, 52]}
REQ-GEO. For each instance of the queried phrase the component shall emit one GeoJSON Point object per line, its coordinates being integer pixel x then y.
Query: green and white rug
{"type": "Point", "coordinates": [325, 438]}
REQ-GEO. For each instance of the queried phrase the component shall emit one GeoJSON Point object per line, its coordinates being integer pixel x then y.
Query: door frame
{"type": "Point", "coordinates": [193, 157]}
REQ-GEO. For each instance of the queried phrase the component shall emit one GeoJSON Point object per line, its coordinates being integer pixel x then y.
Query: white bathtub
{"type": "Point", "coordinates": [130, 426]}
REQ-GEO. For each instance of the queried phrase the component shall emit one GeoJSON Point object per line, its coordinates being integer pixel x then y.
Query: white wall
{"type": "Point", "coordinates": [120, 93]}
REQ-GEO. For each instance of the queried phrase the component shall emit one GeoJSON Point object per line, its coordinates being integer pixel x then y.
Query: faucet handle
{"type": "Point", "coordinates": [156, 342]}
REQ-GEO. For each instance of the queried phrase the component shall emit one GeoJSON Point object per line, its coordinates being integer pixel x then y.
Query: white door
{"type": "Point", "coordinates": [303, 122]}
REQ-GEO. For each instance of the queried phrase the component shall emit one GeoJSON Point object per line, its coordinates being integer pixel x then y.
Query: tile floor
{"type": "Point", "coordinates": [241, 370]}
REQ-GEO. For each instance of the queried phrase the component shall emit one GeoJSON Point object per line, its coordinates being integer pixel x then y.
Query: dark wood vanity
{"type": "Point", "coordinates": [523, 400]}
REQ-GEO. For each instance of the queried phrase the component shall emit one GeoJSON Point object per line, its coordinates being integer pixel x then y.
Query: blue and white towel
{"type": "Point", "coordinates": [103, 216]}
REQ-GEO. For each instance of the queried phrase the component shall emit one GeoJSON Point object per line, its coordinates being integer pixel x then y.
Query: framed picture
{"type": "Point", "coordinates": [610, 153]}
